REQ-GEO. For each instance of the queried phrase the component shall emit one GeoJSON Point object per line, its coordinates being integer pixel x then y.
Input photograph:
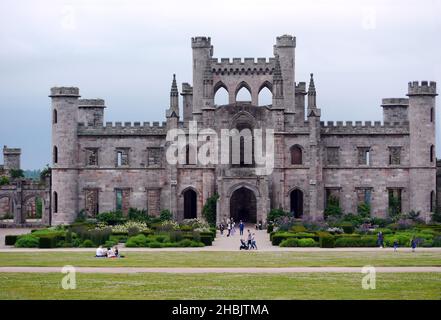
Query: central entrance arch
{"type": "Point", "coordinates": [243, 205]}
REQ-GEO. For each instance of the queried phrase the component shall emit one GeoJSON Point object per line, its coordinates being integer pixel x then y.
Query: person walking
{"type": "Point", "coordinates": [253, 242]}
{"type": "Point", "coordinates": [250, 237]}
{"type": "Point", "coordinates": [221, 228]}
{"type": "Point", "coordinates": [413, 244]}
{"type": "Point", "coordinates": [395, 246]}
{"type": "Point", "coordinates": [241, 227]}
{"type": "Point", "coordinates": [229, 229]}
{"type": "Point", "coordinates": [380, 239]}
{"type": "Point", "coordinates": [233, 227]}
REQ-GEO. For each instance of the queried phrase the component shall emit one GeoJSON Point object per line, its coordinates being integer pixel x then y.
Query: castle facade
{"type": "Point", "coordinates": [100, 166]}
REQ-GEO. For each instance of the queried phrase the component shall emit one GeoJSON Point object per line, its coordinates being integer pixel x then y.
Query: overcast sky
{"type": "Point", "coordinates": [126, 52]}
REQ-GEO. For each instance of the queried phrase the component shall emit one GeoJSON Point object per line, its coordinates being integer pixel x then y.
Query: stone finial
{"type": "Point", "coordinates": [312, 103]}
{"type": "Point", "coordinates": [174, 87]}
{"type": "Point", "coordinates": [311, 89]}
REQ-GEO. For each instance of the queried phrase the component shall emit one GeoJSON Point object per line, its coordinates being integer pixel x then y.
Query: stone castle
{"type": "Point", "coordinates": [101, 166]}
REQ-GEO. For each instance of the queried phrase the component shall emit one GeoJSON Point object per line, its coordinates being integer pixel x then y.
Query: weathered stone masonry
{"type": "Point", "coordinates": [103, 166]}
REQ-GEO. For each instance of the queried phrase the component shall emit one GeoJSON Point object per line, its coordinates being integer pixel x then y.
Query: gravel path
{"type": "Point", "coordinates": [219, 270]}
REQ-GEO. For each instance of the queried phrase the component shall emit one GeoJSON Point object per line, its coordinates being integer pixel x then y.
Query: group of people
{"type": "Point", "coordinates": [250, 243]}
{"type": "Point", "coordinates": [380, 242]}
{"type": "Point", "coordinates": [230, 227]}
{"type": "Point", "coordinates": [108, 253]}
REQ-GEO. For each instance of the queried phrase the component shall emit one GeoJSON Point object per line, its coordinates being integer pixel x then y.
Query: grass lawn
{"type": "Point", "coordinates": [221, 286]}
{"type": "Point", "coordinates": [224, 259]}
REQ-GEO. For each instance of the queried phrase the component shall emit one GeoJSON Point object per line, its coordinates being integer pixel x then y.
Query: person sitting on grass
{"type": "Point", "coordinates": [100, 252]}
{"type": "Point", "coordinates": [243, 245]}
{"type": "Point", "coordinates": [110, 253]}
{"type": "Point", "coordinates": [116, 251]}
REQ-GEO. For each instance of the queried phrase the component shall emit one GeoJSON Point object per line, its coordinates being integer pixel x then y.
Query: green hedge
{"type": "Point", "coordinates": [10, 240]}
{"type": "Point", "coordinates": [327, 241]}
{"type": "Point", "coordinates": [207, 239]}
{"type": "Point", "coordinates": [307, 242]}
{"type": "Point", "coordinates": [365, 241]}
{"type": "Point", "coordinates": [278, 237]}
{"type": "Point", "coordinates": [27, 241]}
{"type": "Point", "coordinates": [47, 242]}
{"type": "Point", "coordinates": [292, 242]}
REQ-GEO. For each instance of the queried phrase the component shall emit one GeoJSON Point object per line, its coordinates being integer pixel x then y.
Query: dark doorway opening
{"type": "Point", "coordinates": [190, 204]}
{"type": "Point", "coordinates": [243, 206]}
{"type": "Point", "coordinates": [297, 203]}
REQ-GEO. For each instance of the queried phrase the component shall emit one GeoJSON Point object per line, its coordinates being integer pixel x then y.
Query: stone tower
{"type": "Point", "coordinates": [422, 172]}
{"type": "Point", "coordinates": [64, 196]}
{"type": "Point", "coordinates": [202, 53]}
{"type": "Point", "coordinates": [11, 158]}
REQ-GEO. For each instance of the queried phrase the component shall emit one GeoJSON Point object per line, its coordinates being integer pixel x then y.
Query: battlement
{"type": "Point", "coordinates": [395, 102]}
{"type": "Point", "coordinates": [300, 87]}
{"type": "Point", "coordinates": [242, 65]}
{"type": "Point", "coordinates": [186, 89]}
{"type": "Point", "coordinates": [123, 128]}
{"type": "Point", "coordinates": [91, 103]}
{"type": "Point", "coordinates": [11, 151]}
{"type": "Point", "coordinates": [425, 88]}
{"type": "Point", "coordinates": [286, 41]}
{"type": "Point", "coordinates": [201, 42]}
{"type": "Point", "coordinates": [65, 92]}
{"type": "Point", "coordinates": [366, 128]}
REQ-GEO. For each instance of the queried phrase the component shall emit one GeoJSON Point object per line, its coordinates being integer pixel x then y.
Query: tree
{"type": "Point", "coordinates": [16, 173]}
{"type": "Point", "coordinates": [364, 210]}
{"type": "Point", "coordinates": [4, 180]}
{"type": "Point", "coordinates": [209, 209]}
{"type": "Point", "coordinates": [165, 215]}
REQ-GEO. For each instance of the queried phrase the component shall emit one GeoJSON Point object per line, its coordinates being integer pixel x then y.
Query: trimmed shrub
{"type": "Point", "coordinates": [10, 240]}
{"type": "Point", "coordinates": [87, 244]}
{"type": "Point", "coordinates": [207, 240]}
{"type": "Point", "coordinates": [137, 241]}
{"type": "Point", "coordinates": [327, 241]}
{"type": "Point", "coordinates": [155, 244]}
{"type": "Point", "coordinates": [277, 237]}
{"type": "Point", "coordinates": [110, 243]}
{"type": "Point", "coordinates": [197, 244]}
{"type": "Point", "coordinates": [270, 228]}
{"type": "Point", "coordinates": [365, 241]}
{"type": "Point", "coordinates": [27, 241]}
{"type": "Point", "coordinates": [292, 242]}
{"type": "Point", "coordinates": [112, 217]}
{"type": "Point", "coordinates": [48, 242]}
{"type": "Point", "coordinates": [298, 229]}
{"type": "Point", "coordinates": [184, 243]}
{"type": "Point", "coordinates": [347, 227]}
{"type": "Point", "coordinates": [307, 242]}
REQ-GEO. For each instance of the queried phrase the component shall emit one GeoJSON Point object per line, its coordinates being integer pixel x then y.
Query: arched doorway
{"type": "Point", "coordinates": [190, 204]}
{"type": "Point", "coordinates": [6, 211]}
{"type": "Point", "coordinates": [243, 205]}
{"type": "Point", "coordinates": [297, 203]}
{"type": "Point", "coordinates": [33, 208]}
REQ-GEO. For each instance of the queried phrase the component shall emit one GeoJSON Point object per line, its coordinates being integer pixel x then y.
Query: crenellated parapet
{"type": "Point", "coordinates": [123, 129]}
{"type": "Point", "coordinates": [425, 88]}
{"type": "Point", "coordinates": [65, 92]}
{"type": "Point", "coordinates": [91, 103]}
{"type": "Point", "coordinates": [364, 128]}
{"type": "Point", "coordinates": [245, 66]}
{"type": "Point", "coordinates": [200, 42]}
